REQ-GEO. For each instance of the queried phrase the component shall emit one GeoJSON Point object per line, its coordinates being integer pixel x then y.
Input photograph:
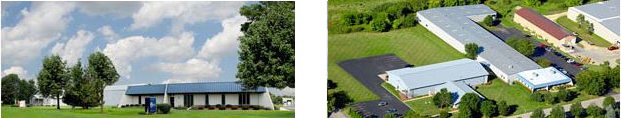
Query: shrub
{"type": "Point", "coordinates": [444, 114]}
{"type": "Point", "coordinates": [234, 107]}
{"type": "Point", "coordinates": [395, 9]}
{"type": "Point", "coordinates": [551, 98]}
{"type": "Point", "coordinates": [380, 22]}
{"type": "Point", "coordinates": [198, 107]}
{"type": "Point", "coordinates": [221, 107]}
{"type": "Point", "coordinates": [245, 107]}
{"type": "Point", "coordinates": [181, 108]}
{"type": "Point", "coordinates": [594, 110]}
{"type": "Point", "coordinates": [163, 108]}
{"type": "Point", "coordinates": [536, 96]}
{"type": "Point", "coordinates": [409, 21]}
{"type": "Point", "coordinates": [397, 23]}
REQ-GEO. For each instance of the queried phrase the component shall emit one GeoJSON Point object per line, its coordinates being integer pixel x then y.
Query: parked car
{"type": "Point", "coordinates": [562, 70]}
{"type": "Point", "coordinates": [613, 48]}
{"type": "Point", "coordinates": [577, 64]}
{"type": "Point", "coordinates": [570, 61]}
{"type": "Point", "coordinates": [549, 49]}
{"type": "Point", "coordinates": [382, 103]}
{"type": "Point", "coordinates": [542, 45]}
{"type": "Point", "coordinates": [391, 110]}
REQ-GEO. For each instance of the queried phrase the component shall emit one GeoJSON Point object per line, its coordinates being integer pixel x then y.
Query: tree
{"type": "Point", "coordinates": [81, 90]}
{"type": "Point", "coordinates": [469, 105]}
{"type": "Point", "coordinates": [544, 62]}
{"type": "Point", "coordinates": [27, 90]}
{"type": "Point", "coordinates": [580, 20]}
{"type": "Point", "coordinates": [434, 3]}
{"type": "Point", "coordinates": [594, 110]}
{"type": "Point", "coordinates": [551, 98]}
{"type": "Point", "coordinates": [444, 114]}
{"type": "Point", "coordinates": [537, 96]}
{"type": "Point", "coordinates": [442, 98]}
{"type": "Point", "coordinates": [450, 3]}
{"type": "Point", "coordinates": [614, 81]}
{"type": "Point", "coordinates": [52, 78]}
{"type": "Point", "coordinates": [381, 22]}
{"type": "Point", "coordinates": [523, 46]}
{"type": "Point", "coordinates": [489, 21]}
{"type": "Point", "coordinates": [532, 3]}
{"type": "Point", "coordinates": [557, 112]}
{"type": "Point", "coordinates": [570, 3]}
{"type": "Point", "coordinates": [102, 71]}
{"type": "Point", "coordinates": [538, 113]}
{"type": "Point", "coordinates": [591, 82]}
{"type": "Point", "coordinates": [266, 50]}
{"type": "Point", "coordinates": [488, 108]}
{"type": "Point", "coordinates": [409, 20]}
{"type": "Point", "coordinates": [608, 101]}
{"type": "Point", "coordinates": [331, 84]}
{"type": "Point", "coordinates": [472, 50]}
{"type": "Point", "coordinates": [564, 95]}
{"type": "Point", "coordinates": [611, 112]}
{"type": "Point", "coordinates": [576, 109]}
{"type": "Point", "coordinates": [503, 108]}
{"type": "Point", "coordinates": [10, 88]}
{"type": "Point", "coordinates": [338, 100]}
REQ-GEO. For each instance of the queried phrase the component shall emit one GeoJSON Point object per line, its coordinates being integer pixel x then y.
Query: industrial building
{"type": "Point", "coordinates": [456, 76]}
{"type": "Point", "coordinates": [603, 15]}
{"type": "Point", "coordinates": [457, 27]}
{"type": "Point", "coordinates": [543, 27]}
{"type": "Point", "coordinates": [542, 78]}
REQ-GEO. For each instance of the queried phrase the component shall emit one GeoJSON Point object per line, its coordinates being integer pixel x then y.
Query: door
{"type": "Point", "coordinates": [172, 101]}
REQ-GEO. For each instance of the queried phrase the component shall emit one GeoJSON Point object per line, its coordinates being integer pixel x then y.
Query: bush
{"type": "Point", "coordinates": [394, 9]}
{"type": "Point", "coordinates": [550, 98]}
{"type": "Point", "coordinates": [380, 22]}
{"type": "Point", "coordinates": [221, 107]}
{"type": "Point", "coordinates": [355, 18]}
{"type": "Point", "coordinates": [245, 107]}
{"type": "Point", "coordinates": [595, 111]}
{"type": "Point", "coordinates": [409, 21]}
{"type": "Point", "coordinates": [397, 23]}
{"type": "Point", "coordinates": [538, 97]}
{"type": "Point", "coordinates": [163, 108]}
{"type": "Point", "coordinates": [198, 107]}
{"type": "Point", "coordinates": [181, 108]}
{"type": "Point", "coordinates": [444, 114]}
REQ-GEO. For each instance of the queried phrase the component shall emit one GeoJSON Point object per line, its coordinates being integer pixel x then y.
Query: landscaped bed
{"type": "Point", "coordinates": [132, 112]}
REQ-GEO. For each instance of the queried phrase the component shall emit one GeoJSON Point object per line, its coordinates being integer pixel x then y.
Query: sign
{"type": "Point", "coordinates": [150, 106]}
{"type": "Point", "coordinates": [22, 103]}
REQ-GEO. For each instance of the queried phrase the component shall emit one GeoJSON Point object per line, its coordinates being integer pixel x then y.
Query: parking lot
{"type": "Point", "coordinates": [365, 70]}
{"type": "Point", "coordinates": [558, 60]}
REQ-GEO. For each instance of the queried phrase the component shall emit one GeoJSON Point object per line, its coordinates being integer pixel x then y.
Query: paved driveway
{"type": "Point", "coordinates": [365, 70]}
{"type": "Point", "coordinates": [556, 58]}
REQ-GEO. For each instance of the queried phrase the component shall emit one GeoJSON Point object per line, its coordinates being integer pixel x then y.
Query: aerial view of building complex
{"type": "Point", "coordinates": [471, 59]}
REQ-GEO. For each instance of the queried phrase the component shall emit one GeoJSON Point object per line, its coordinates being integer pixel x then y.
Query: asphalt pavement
{"type": "Point", "coordinates": [365, 70]}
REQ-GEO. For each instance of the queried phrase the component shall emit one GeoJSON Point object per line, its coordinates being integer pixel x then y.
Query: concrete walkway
{"type": "Point", "coordinates": [597, 101]}
{"type": "Point", "coordinates": [338, 114]}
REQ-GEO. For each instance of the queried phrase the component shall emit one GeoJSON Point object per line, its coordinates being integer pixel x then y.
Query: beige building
{"type": "Point", "coordinates": [543, 28]}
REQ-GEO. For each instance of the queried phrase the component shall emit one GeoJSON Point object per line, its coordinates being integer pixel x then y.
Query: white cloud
{"type": "Point", "coordinates": [108, 32]}
{"type": "Point", "coordinates": [129, 49]}
{"type": "Point", "coordinates": [74, 48]}
{"type": "Point", "coordinates": [191, 71]}
{"type": "Point", "coordinates": [118, 8]}
{"type": "Point", "coordinates": [20, 71]}
{"type": "Point", "coordinates": [182, 13]}
{"type": "Point", "coordinates": [38, 27]}
{"type": "Point", "coordinates": [225, 42]}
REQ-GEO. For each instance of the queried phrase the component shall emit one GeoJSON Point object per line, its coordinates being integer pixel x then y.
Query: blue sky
{"type": "Point", "coordinates": [149, 42]}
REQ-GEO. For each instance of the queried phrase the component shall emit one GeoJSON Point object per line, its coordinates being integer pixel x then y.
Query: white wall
{"type": "Point", "coordinates": [232, 99]}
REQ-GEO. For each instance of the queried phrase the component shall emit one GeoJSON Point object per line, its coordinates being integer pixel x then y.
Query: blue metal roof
{"type": "Point", "coordinates": [439, 73]}
{"type": "Point", "coordinates": [206, 87]}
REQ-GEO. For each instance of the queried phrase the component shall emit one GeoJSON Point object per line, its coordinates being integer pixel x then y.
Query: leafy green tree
{"type": "Point", "coordinates": [557, 112]}
{"type": "Point", "coordinates": [435, 3]}
{"type": "Point", "coordinates": [409, 20]}
{"type": "Point", "coordinates": [27, 90]}
{"type": "Point", "coordinates": [266, 50]}
{"type": "Point", "coordinates": [564, 95]}
{"type": "Point", "coordinates": [276, 99]}
{"type": "Point", "coordinates": [570, 3]}
{"type": "Point", "coordinates": [472, 50]}
{"type": "Point", "coordinates": [532, 3]}
{"type": "Point", "coordinates": [489, 21]}
{"type": "Point", "coordinates": [551, 98]}
{"type": "Point", "coordinates": [544, 62]}
{"type": "Point", "coordinates": [450, 3]}
{"type": "Point", "coordinates": [614, 81]}
{"type": "Point", "coordinates": [488, 108]}
{"type": "Point", "coordinates": [523, 46]}
{"type": "Point", "coordinates": [444, 114]}
{"type": "Point", "coordinates": [538, 113]}
{"type": "Point", "coordinates": [503, 108]}
{"type": "Point", "coordinates": [469, 105]}
{"type": "Point", "coordinates": [576, 109]}
{"type": "Point", "coordinates": [443, 98]}
{"type": "Point", "coordinates": [466, 113]}
{"type": "Point", "coordinates": [338, 100]}
{"type": "Point", "coordinates": [10, 88]}
{"type": "Point", "coordinates": [331, 84]}
{"type": "Point", "coordinates": [381, 22]}
{"type": "Point", "coordinates": [103, 73]}
{"type": "Point", "coordinates": [537, 96]}
{"type": "Point", "coordinates": [608, 101]}
{"type": "Point", "coordinates": [591, 82]}
{"type": "Point", "coordinates": [52, 78]}
{"type": "Point", "coordinates": [581, 21]}
{"type": "Point", "coordinates": [595, 111]}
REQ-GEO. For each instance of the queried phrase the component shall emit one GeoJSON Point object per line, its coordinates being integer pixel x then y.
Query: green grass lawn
{"type": "Point", "coordinates": [582, 32]}
{"type": "Point", "coordinates": [52, 112]}
{"type": "Point", "coordinates": [425, 106]}
{"type": "Point", "coordinates": [415, 45]}
{"type": "Point", "coordinates": [518, 95]}
{"type": "Point", "coordinates": [391, 89]}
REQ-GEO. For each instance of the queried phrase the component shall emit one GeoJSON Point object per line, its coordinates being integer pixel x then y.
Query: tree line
{"type": "Point", "coordinates": [15, 89]}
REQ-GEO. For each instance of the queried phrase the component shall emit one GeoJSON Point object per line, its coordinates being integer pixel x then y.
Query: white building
{"type": "Point", "coordinates": [190, 94]}
{"type": "Point", "coordinates": [603, 15]}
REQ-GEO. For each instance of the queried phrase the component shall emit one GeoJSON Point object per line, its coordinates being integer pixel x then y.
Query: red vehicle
{"type": "Point", "coordinates": [542, 45]}
{"type": "Point", "coordinates": [577, 64]}
{"type": "Point", "coordinates": [613, 48]}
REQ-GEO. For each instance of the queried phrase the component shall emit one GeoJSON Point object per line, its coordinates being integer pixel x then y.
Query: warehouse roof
{"type": "Point", "coordinates": [461, 88]}
{"type": "Point", "coordinates": [543, 23]}
{"type": "Point", "coordinates": [423, 76]}
{"type": "Point", "coordinates": [543, 77]}
{"type": "Point", "coordinates": [455, 22]}
{"type": "Point", "coordinates": [606, 12]}
{"type": "Point", "coordinates": [206, 87]}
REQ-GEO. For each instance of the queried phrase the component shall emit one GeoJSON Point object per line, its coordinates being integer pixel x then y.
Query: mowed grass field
{"type": "Point", "coordinates": [52, 112]}
{"type": "Point", "coordinates": [583, 33]}
{"type": "Point", "coordinates": [415, 45]}
{"type": "Point", "coordinates": [519, 95]}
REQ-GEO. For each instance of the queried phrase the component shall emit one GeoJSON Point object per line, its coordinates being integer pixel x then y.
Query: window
{"type": "Point", "coordinates": [188, 100]}
{"type": "Point", "coordinates": [244, 99]}
{"type": "Point", "coordinates": [223, 99]}
{"type": "Point", "coordinates": [139, 99]}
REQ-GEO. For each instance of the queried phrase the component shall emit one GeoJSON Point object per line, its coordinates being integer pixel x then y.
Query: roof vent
{"type": "Point", "coordinates": [510, 66]}
{"type": "Point", "coordinates": [535, 74]}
